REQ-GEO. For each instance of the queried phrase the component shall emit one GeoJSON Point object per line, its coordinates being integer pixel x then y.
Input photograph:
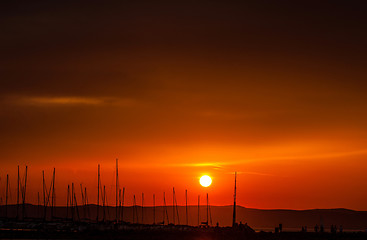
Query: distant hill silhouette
{"type": "Point", "coordinates": [256, 218]}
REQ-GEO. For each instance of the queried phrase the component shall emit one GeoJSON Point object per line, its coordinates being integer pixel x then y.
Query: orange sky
{"type": "Point", "coordinates": [177, 90]}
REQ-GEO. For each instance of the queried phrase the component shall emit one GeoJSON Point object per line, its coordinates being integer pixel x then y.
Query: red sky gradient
{"type": "Point", "coordinates": [275, 92]}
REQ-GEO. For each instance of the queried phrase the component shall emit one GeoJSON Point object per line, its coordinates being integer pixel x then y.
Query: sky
{"type": "Point", "coordinates": [175, 90]}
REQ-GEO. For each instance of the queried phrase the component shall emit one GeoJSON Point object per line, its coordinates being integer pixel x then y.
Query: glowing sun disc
{"type": "Point", "coordinates": [205, 181]}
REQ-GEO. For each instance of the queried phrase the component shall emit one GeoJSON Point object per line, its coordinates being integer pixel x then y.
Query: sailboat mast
{"type": "Point", "coordinates": [234, 200]}
{"type": "Point", "coordinates": [123, 202]}
{"type": "Point", "coordinates": [67, 202]}
{"type": "Point", "coordinates": [142, 208]}
{"type": "Point", "coordinates": [207, 208]}
{"type": "Point", "coordinates": [198, 210]}
{"type": "Point", "coordinates": [134, 206]}
{"type": "Point", "coordinates": [6, 196]}
{"type": "Point", "coordinates": [18, 183]}
{"type": "Point", "coordinates": [25, 189]}
{"type": "Point", "coordinates": [153, 208]}
{"type": "Point", "coordinates": [117, 187]}
{"type": "Point", "coordinates": [98, 192]}
{"type": "Point", "coordinates": [187, 215]}
{"type": "Point", "coordinates": [104, 202]}
{"type": "Point", "coordinates": [44, 196]}
{"type": "Point", "coordinates": [173, 205]}
{"type": "Point", "coordinates": [38, 204]}
{"type": "Point", "coordinates": [165, 208]}
{"type": "Point", "coordinates": [53, 195]}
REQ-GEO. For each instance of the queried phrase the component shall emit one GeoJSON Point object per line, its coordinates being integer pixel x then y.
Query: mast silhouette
{"type": "Point", "coordinates": [53, 197]}
{"type": "Point", "coordinates": [142, 208]}
{"type": "Point", "coordinates": [72, 202]}
{"type": "Point", "coordinates": [135, 212]}
{"type": "Point", "coordinates": [234, 200]}
{"type": "Point", "coordinates": [44, 196]}
{"type": "Point", "coordinates": [154, 209]}
{"type": "Point", "coordinates": [6, 196]}
{"type": "Point", "coordinates": [187, 218]}
{"type": "Point", "coordinates": [86, 202]}
{"type": "Point", "coordinates": [83, 200]}
{"type": "Point", "coordinates": [173, 206]}
{"type": "Point", "coordinates": [117, 187]}
{"type": "Point", "coordinates": [67, 202]}
{"type": "Point", "coordinates": [165, 212]}
{"type": "Point", "coordinates": [198, 210]}
{"type": "Point", "coordinates": [98, 192]}
{"type": "Point", "coordinates": [207, 209]}
{"type": "Point", "coordinates": [178, 216]}
{"type": "Point", "coordinates": [18, 183]}
{"type": "Point", "coordinates": [123, 202]}
{"type": "Point", "coordinates": [119, 216]}
{"type": "Point", "coordinates": [104, 202]}
{"type": "Point", "coordinates": [38, 204]}
{"type": "Point", "coordinates": [24, 191]}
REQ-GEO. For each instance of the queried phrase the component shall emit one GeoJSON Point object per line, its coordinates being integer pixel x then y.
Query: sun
{"type": "Point", "coordinates": [205, 181]}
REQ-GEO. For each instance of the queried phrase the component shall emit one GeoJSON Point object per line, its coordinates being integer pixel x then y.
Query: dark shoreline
{"type": "Point", "coordinates": [350, 220]}
{"type": "Point", "coordinates": [205, 234]}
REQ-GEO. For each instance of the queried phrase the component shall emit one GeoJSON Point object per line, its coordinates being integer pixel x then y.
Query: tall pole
{"type": "Point", "coordinates": [123, 202]}
{"type": "Point", "coordinates": [44, 196]}
{"type": "Point", "coordinates": [198, 210]}
{"type": "Point", "coordinates": [173, 205]}
{"type": "Point", "coordinates": [6, 196]}
{"type": "Point", "coordinates": [142, 208]}
{"type": "Point", "coordinates": [53, 195]}
{"type": "Point", "coordinates": [153, 208]}
{"type": "Point", "coordinates": [119, 212]}
{"type": "Point", "coordinates": [72, 201]}
{"type": "Point", "coordinates": [234, 200]}
{"type": "Point", "coordinates": [76, 207]}
{"type": "Point", "coordinates": [86, 202]}
{"type": "Point", "coordinates": [38, 204]}
{"type": "Point", "coordinates": [98, 192]}
{"type": "Point", "coordinates": [83, 200]}
{"type": "Point", "coordinates": [18, 194]}
{"type": "Point", "coordinates": [25, 189]}
{"type": "Point", "coordinates": [178, 216]}
{"type": "Point", "coordinates": [207, 209]}
{"type": "Point", "coordinates": [104, 202]}
{"type": "Point", "coordinates": [187, 213]}
{"type": "Point", "coordinates": [117, 187]}
{"type": "Point", "coordinates": [134, 209]}
{"type": "Point", "coordinates": [67, 202]}
{"type": "Point", "coordinates": [165, 208]}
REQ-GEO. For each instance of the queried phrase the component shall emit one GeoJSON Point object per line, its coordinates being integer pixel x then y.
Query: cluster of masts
{"type": "Point", "coordinates": [21, 193]}
{"type": "Point", "coordinates": [49, 200]}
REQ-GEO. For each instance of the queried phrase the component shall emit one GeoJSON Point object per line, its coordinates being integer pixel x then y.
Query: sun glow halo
{"type": "Point", "coordinates": [205, 181]}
